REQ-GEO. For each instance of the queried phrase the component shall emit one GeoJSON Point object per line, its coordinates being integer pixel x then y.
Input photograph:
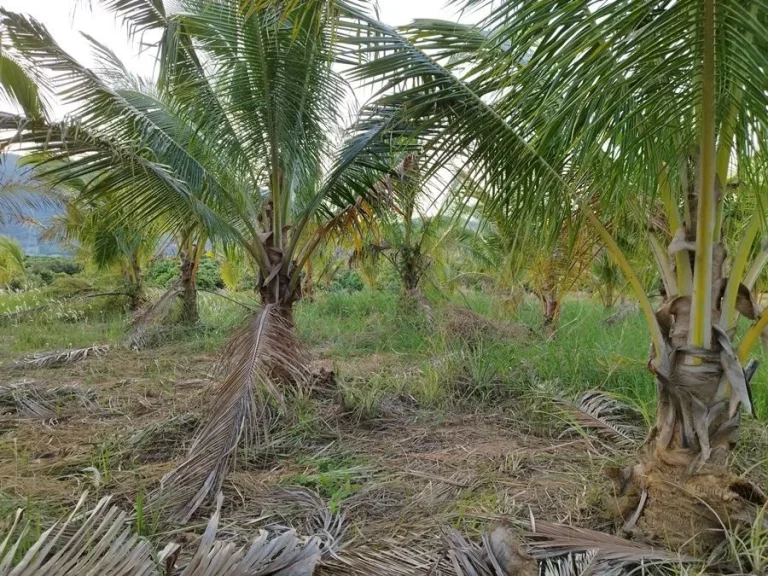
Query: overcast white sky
{"type": "Point", "coordinates": [65, 19]}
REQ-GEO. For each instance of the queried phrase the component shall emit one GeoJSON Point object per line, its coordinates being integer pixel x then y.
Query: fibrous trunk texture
{"type": "Point", "coordinates": [550, 307]}
{"type": "Point", "coordinates": [681, 492]}
{"type": "Point", "coordinates": [189, 313]}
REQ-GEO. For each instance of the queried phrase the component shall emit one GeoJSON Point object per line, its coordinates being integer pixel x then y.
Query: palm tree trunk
{"type": "Point", "coordinates": [550, 307]}
{"type": "Point", "coordinates": [190, 261]}
{"type": "Point", "coordinates": [680, 491]}
{"type": "Point", "coordinates": [136, 287]}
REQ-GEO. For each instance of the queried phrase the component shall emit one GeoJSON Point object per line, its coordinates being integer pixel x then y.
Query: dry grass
{"type": "Point", "coordinates": [373, 463]}
{"type": "Point", "coordinates": [409, 469]}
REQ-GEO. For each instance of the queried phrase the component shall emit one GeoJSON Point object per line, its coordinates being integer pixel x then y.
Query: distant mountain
{"type": "Point", "coordinates": [26, 234]}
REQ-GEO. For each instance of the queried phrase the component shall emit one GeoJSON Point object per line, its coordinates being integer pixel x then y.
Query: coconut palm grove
{"type": "Point", "coordinates": [317, 294]}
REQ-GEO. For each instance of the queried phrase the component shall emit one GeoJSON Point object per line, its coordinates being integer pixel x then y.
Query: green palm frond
{"type": "Point", "coordinates": [18, 86]}
{"type": "Point", "coordinates": [534, 110]}
{"type": "Point", "coordinates": [11, 260]}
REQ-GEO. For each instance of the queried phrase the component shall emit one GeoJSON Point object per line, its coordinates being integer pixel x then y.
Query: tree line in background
{"type": "Point", "coordinates": [550, 142]}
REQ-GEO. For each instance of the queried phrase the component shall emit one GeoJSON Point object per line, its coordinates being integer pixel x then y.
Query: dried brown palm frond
{"type": "Point", "coordinates": [103, 541]}
{"type": "Point", "coordinates": [263, 357]}
{"type": "Point", "coordinates": [151, 315]}
{"type": "Point", "coordinates": [60, 358]}
{"type": "Point", "coordinates": [578, 564]}
{"type": "Point", "coordinates": [162, 440]}
{"type": "Point", "coordinates": [30, 399]}
{"type": "Point", "coordinates": [558, 539]}
{"type": "Point", "coordinates": [153, 312]}
{"type": "Point", "coordinates": [283, 555]}
{"type": "Point", "coordinates": [390, 557]}
{"type": "Point", "coordinates": [499, 555]}
{"type": "Point", "coordinates": [606, 416]}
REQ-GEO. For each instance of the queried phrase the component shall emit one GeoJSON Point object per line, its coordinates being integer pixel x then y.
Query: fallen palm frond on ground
{"type": "Point", "coordinates": [60, 358]}
{"type": "Point", "coordinates": [29, 399]}
{"type": "Point", "coordinates": [611, 552]}
{"type": "Point", "coordinates": [104, 541]}
{"type": "Point", "coordinates": [162, 440]}
{"type": "Point", "coordinates": [607, 417]}
{"type": "Point", "coordinates": [261, 357]}
{"type": "Point", "coordinates": [558, 550]}
{"type": "Point", "coordinates": [148, 321]}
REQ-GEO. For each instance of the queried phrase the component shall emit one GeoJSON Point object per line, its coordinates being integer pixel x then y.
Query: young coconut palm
{"type": "Point", "coordinates": [674, 93]}
{"type": "Point", "coordinates": [239, 137]}
{"type": "Point", "coordinates": [99, 234]}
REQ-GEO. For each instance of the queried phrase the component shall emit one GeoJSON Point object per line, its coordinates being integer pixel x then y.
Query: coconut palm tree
{"type": "Point", "coordinates": [238, 137]}
{"type": "Point", "coordinates": [532, 101]}
{"type": "Point", "coordinates": [90, 231]}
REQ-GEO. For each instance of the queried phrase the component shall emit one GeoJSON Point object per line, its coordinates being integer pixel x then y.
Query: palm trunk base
{"type": "Point", "coordinates": [415, 302]}
{"type": "Point", "coordinates": [661, 500]}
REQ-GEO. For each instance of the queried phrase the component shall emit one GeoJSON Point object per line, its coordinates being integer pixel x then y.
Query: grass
{"type": "Point", "coordinates": [583, 353]}
{"type": "Point", "coordinates": [429, 426]}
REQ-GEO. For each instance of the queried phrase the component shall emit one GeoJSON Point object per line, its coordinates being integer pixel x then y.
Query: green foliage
{"type": "Point", "coordinates": [11, 261]}
{"type": "Point", "coordinates": [333, 478]}
{"type": "Point", "coordinates": [209, 274]}
{"type": "Point", "coordinates": [164, 271]}
{"type": "Point", "coordinates": [348, 280]}
{"type": "Point", "coordinates": [43, 270]}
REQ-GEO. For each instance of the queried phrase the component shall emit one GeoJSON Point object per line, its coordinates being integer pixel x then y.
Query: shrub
{"type": "Point", "coordinates": [162, 272]}
{"type": "Point", "coordinates": [347, 281]}
{"type": "Point", "coordinates": [165, 271]}
{"type": "Point", "coordinates": [209, 274]}
{"type": "Point", "coordinates": [43, 270]}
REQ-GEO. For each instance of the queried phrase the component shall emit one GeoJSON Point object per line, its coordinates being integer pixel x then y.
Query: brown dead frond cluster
{"type": "Point", "coordinates": [148, 320]}
{"type": "Point", "coordinates": [162, 440]}
{"type": "Point", "coordinates": [262, 361]}
{"type": "Point", "coordinates": [609, 554]}
{"type": "Point", "coordinates": [464, 324]}
{"type": "Point", "coordinates": [103, 541]}
{"type": "Point", "coordinates": [30, 399]}
{"type": "Point", "coordinates": [607, 417]}
{"type": "Point", "coordinates": [60, 358]}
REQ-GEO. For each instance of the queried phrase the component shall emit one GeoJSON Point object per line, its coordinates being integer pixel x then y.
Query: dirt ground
{"type": "Point", "coordinates": [398, 478]}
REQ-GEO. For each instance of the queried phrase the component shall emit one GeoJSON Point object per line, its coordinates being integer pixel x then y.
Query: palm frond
{"type": "Point", "coordinates": [19, 87]}
{"type": "Point", "coordinates": [32, 400]}
{"type": "Point", "coordinates": [500, 554]}
{"type": "Point", "coordinates": [61, 358]}
{"type": "Point", "coordinates": [104, 541]}
{"type": "Point", "coordinates": [11, 259]}
{"type": "Point", "coordinates": [559, 539]}
{"type": "Point", "coordinates": [260, 358]}
{"type": "Point", "coordinates": [283, 554]}
{"type": "Point", "coordinates": [607, 416]}
{"type": "Point", "coordinates": [152, 314]}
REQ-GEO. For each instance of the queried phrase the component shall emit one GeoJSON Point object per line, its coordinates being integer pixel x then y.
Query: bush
{"type": "Point", "coordinates": [165, 271]}
{"type": "Point", "coordinates": [43, 270]}
{"type": "Point", "coordinates": [347, 281]}
{"type": "Point", "coordinates": [162, 273]}
{"type": "Point", "coordinates": [209, 274]}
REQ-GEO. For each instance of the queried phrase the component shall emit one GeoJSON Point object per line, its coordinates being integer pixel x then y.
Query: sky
{"type": "Point", "coordinates": [66, 19]}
